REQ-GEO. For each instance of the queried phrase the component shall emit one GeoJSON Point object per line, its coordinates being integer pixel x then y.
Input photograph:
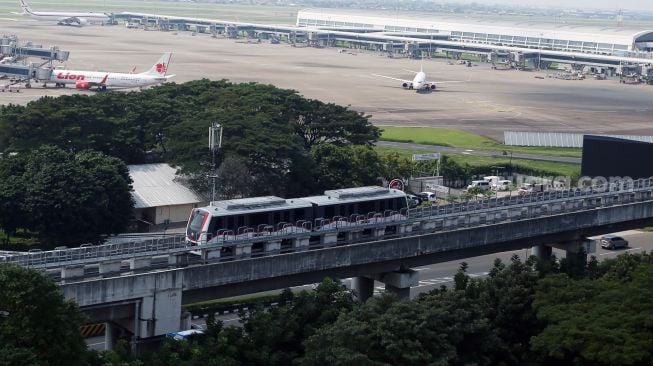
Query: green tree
{"type": "Point", "coordinates": [12, 192]}
{"type": "Point", "coordinates": [606, 321]}
{"type": "Point", "coordinates": [37, 326]}
{"type": "Point", "coordinates": [396, 166]}
{"type": "Point", "coordinates": [442, 329]}
{"type": "Point", "coordinates": [316, 122]}
{"type": "Point", "coordinates": [345, 166]}
{"type": "Point", "coordinates": [271, 131]}
{"type": "Point", "coordinates": [70, 199]}
{"type": "Point", "coordinates": [279, 333]}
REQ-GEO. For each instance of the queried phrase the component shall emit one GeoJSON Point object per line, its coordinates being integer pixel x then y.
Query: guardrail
{"type": "Point", "coordinates": [466, 214]}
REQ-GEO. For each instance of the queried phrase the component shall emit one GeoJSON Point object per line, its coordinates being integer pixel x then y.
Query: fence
{"type": "Point", "coordinates": [555, 139]}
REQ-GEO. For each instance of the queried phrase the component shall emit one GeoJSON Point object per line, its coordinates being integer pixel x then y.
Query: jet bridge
{"type": "Point", "coordinates": [26, 72]}
{"type": "Point", "coordinates": [50, 54]}
{"type": "Point", "coordinates": [10, 47]}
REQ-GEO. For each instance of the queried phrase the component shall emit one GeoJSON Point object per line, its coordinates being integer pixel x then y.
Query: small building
{"type": "Point", "coordinates": [616, 158]}
{"type": "Point", "coordinates": [159, 199]}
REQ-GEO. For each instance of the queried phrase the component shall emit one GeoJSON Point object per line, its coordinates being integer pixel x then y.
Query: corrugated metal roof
{"type": "Point", "coordinates": [155, 186]}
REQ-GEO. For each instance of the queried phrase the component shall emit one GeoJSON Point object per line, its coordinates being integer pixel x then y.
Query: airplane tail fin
{"type": "Point", "coordinates": [25, 6]}
{"type": "Point", "coordinates": [421, 66]}
{"type": "Point", "coordinates": [160, 68]}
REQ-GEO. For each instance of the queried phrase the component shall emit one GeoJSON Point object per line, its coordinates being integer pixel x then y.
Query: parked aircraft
{"type": "Point", "coordinates": [65, 18]}
{"type": "Point", "coordinates": [103, 80]}
{"type": "Point", "coordinates": [419, 82]}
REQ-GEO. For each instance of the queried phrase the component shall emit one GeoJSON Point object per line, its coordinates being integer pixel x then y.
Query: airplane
{"type": "Point", "coordinates": [65, 18]}
{"type": "Point", "coordinates": [103, 80]}
{"type": "Point", "coordinates": [419, 82]}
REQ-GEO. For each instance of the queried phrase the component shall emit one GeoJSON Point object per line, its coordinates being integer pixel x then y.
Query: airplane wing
{"type": "Point", "coordinates": [390, 77]}
{"type": "Point", "coordinates": [449, 81]}
{"type": "Point", "coordinates": [445, 82]}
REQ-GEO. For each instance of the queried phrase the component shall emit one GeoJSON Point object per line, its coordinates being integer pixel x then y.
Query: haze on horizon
{"type": "Point", "coordinates": [632, 5]}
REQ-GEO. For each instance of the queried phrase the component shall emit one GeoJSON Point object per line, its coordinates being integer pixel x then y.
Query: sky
{"type": "Point", "coordinates": [646, 5]}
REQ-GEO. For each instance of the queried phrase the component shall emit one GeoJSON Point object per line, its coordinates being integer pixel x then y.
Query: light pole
{"type": "Point", "coordinates": [505, 153]}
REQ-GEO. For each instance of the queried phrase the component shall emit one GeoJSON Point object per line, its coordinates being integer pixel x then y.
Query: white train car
{"type": "Point", "coordinates": [248, 217]}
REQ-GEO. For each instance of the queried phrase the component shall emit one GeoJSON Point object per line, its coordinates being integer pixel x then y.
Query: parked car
{"type": "Point", "coordinates": [429, 196]}
{"type": "Point", "coordinates": [613, 242]}
{"type": "Point", "coordinates": [482, 184]}
{"type": "Point", "coordinates": [413, 200]}
{"type": "Point", "coordinates": [527, 188]}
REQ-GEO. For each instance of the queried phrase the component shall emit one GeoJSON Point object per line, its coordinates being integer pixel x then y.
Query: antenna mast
{"type": "Point", "coordinates": [215, 143]}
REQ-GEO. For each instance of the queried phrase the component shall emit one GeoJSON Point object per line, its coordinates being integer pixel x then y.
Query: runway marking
{"type": "Point", "coordinates": [627, 250]}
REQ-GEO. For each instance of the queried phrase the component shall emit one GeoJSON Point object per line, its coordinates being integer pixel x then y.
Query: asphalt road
{"type": "Point", "coordinates": [490, 153]}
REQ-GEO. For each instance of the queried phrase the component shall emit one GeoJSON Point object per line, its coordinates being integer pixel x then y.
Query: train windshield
{"type": "Point", "coordinates": [195, 224]}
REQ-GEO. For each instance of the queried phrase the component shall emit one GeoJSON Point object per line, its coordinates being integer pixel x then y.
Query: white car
{"type": "Point", "coordinates": [428, 195]}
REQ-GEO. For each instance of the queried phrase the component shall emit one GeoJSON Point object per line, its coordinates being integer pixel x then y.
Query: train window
{"type": "Point", "coordinates": [366, 207]}
{"type": "Point", "coordinates": [329, 211]}
{"type": "Point", "coordinates": [299, 214]}
{"type": "Point", "coordinates": [240, 221]}
{"type": "Point", "coordinates": [257, 219]}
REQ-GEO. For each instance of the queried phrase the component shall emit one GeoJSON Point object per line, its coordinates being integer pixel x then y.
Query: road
{"type": "Point", "coordinates": [490, 153]}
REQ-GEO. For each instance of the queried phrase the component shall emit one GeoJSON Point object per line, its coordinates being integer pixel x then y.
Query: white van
{"type": "Point", "coordinates": [502, 185]}
{"type": "Point", "coordinates": [482, 184]}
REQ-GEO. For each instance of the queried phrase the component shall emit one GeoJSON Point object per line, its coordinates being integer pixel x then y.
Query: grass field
{"type": "Point", "coordinates": [457, 138]}
{"type": "Point", "coordinates": [235, 12]}
{"type": "Point", "coordinates": [558, 169]}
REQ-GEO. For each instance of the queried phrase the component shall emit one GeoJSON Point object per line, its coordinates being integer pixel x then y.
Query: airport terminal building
{"type": "Point", "coordinates": [616, 41]}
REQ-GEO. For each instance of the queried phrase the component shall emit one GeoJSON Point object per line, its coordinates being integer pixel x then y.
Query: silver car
{"type": "Point", "coordinates": [613, 242]}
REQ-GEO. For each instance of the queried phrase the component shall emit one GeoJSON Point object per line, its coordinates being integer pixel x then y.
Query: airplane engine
{"type": "Point", "coordinates": [82, 21]}
{"type": "Point", "coordinates": [82, 85]}
{"type": "Point", "coordinates": [405, 85]}
{"type": "Point", "coordinates": [432, 86]}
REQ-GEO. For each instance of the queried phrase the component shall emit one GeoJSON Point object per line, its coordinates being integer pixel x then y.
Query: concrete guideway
{"type": "Point", "coordinates": [149, 301]}
{"type": "Point", "coordinates": [490, 153]}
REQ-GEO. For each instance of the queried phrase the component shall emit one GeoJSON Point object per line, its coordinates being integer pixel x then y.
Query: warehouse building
{"type": "Point", "coordinates": [617, 41]}
{"type": "Point", "coordinates": [159, 199]}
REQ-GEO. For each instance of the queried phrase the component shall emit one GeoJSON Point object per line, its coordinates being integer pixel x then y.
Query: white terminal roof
{"type": "Point", "coordinates": [445, 25]}
{"type": "Point", "coordinates": [154, 186]}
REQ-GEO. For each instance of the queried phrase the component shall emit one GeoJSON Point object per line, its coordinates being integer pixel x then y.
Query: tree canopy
{"type": "Point", "coordinates": [37, 326]}
{"type": "Point", "coordinates": [66, 198]}
{"type": "Point", "coordinates": [270, 131]}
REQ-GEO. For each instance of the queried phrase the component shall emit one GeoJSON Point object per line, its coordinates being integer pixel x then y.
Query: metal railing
{"type": "Point", "coordinates": [466, 214]}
